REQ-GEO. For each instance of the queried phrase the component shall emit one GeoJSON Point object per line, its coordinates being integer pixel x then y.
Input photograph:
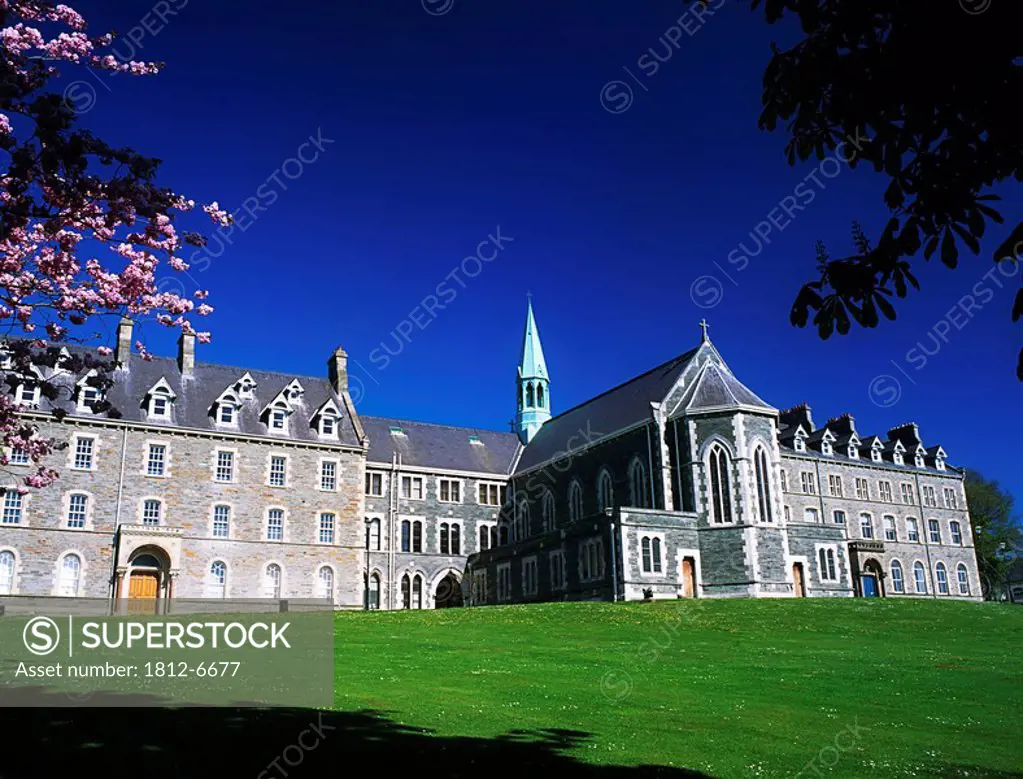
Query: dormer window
{"type": "Point", "coordinates": [826, 448]}
{"type": "Point", "coordinates": [854, 452]}
{"type": "Point", "coordinates": [919, 460]}
{"type": "Point", "coordinates": [160, 405]}
{"type": "Point", "coordinates": [939, 463]}
{"type": "Point", "coordinates": [328, 426]}
{"type": "Point", "coordinates": [799, 443]}
{"type": "Point", "coordinates": [226, 415]}
{"type": "Point", "coordinates": [27, 394]}
{"type": "Point", "coordinates": [278, 419]}
{"type": "Point", "coordinates": [875, 454]}
{"type": "Point", "coordinates": [898, 459]}
{"type": "Point", "coordinates": [88, 396]}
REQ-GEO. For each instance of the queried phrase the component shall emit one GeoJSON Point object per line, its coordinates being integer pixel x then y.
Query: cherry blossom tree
{"type": "Point", "coordinates": [84, 228]}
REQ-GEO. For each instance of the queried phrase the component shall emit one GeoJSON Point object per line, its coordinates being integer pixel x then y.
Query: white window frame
{"type": "Point", "coordinates": [949, 498]}
{"type": "Point", "coordinates": [269, 469]}
{"type": "Point", "coordinates": [147, 458]}
{"type": "Point", "coordinates": [215, 465]}
{"type": "Point", "coordinates": [12, 496]}
{"type": "Point", "coordinates": [931, 532]}
{"type": "Point", "coordinates": [835, 520]}
{"type": "Point", "coordinates": [890, 533]}
{"type": "Point", "coordinates": [284, 525]}
{"type": "Point", "coordinates": [558, 582]}
{"type": "Point", "coordinates": [451, 523]}
{"type": "Point", "coordinates": [160, 393]}
{"type": "Point", "coordinates": [913, 530]}
{"type": "Point", "coordinates": [76, 439]}
{"type": "Point", "coordinates": [862, 488]}
{"type": "Point", "coordinates": [869, 524]}
{"type": "Point", "coordinates": [271, 589]}
{"type": "Point", "coordinates": [324, 479]}
{"type": "Point", "coordinates": [86, 513]}
{"type": "Point", "coordinates": [808, 482]}
{"type": "Point", "coordinates": [441, 480]}
{"type": "Point", "coordinates": [12, 586]}
{"type": "Point", "coordinates": [835, 488]}
{"type": "Point", "coordinates": [370, 475]}
{"type": "Point", "coordinates": [320, 528]}
{"type": "Point", "coordinates": [160, 511]}
{"type": "Point", "coordinates": [901, 579]}
{"type": "Point", "coordinates": [940, 587]}
{"type": "Point", "coordinates": [830, 555]}
{"type": "Point", "coordinates": [658, 562]}
{"type": "Point", "coordinates": [884, 491]}
{"type": "Point", "coordinates": [908, 492]}
{"type": "Point", "coordinates": [811, 515]}
{"type": "Point", "coordinates": [217, 590]}
{"type": "Point", "coordinates": [412, 481]}
{"type": "Point", "coordinates": [918, 565]}
{"type": "Point", "coordinates": [213, 520]}
{"type": "Point", "coordinates": [58, 583]}
{"type": "Point", "coordinates": [955, 530]}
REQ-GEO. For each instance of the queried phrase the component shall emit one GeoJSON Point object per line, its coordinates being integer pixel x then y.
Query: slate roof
{"type": "Point", "coordinates": [605, 414]}
{"type": "Point", "coordinates": [716, 387]}
{"type": "Point", "coordinates": [197, 393]}
{"type": "Point", "coordinates": [430, 446]}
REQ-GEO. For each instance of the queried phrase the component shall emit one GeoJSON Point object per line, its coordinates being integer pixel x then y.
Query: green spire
{"type": "Point", "coordinates": [532, 365]}
{"type": "Point", "coordinates": [533, 383]}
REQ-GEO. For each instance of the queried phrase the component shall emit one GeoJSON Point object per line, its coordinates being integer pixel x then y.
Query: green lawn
{"type": "Point", "coordinates": [729, 688]}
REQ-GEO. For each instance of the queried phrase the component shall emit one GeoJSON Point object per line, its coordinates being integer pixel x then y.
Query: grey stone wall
{"type": "Point", "coordinates": [117, 487]}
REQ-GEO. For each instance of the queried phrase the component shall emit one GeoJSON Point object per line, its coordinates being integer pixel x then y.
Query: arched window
{"type": "Point", "coordinates": [866, 525]}
{"type": "Point", "coordinates": [529, 396]}
{"type": "Point", "coordinates": [444, 543]}
{"type": "Point", "coordinates": [456, 539]}
{"type": "Point", "coordinates": [70, 575]}
{"type": "Point", "coordinates": [406, 535]}
{"type": "Point", "coordinates": [548, 511]}
{"type": "Point", "coordinates": [273, 581]}
{"type": "Point", "coordinates": [484, 538]}
{"type": "Point", "coordinates": [373, 592]}
{"type": "Point", "coordinates": [539, 395]}
{"type": "Point", "coordinates": [521, 526]}
{"type": "Point", "coordinates": [216, 584]}
{"type": "Point", "coordinates": [898, 585]}
{"type": "Point", "coordinates": [651, 554]}
{"type": "Point", "coordinates": [920, 577]}
{"type": "Point", "coordinates": [373, 535]}
{"type": "Point", "coordinates": [647, 564]}
{"type": "Point", "coordinates": [961, 574]}
{"type": "Point", "coordinates": [637, 485]}
{"type": "Point", "coordinates": [941, 574]}
{"type": "Point", "coordinates": [720, 486]}
{"type": "Point", "coordinates": [828, 570]}
{"type": "Point", "coordinates": [406, 592]}
{"type": "Point", "coordinates": [605, 491]}
{"type": "Point", "coordinates": [325, 583]}
{"type": "Point", "coordinates": [575, 501]}
{"type": "Point", "coordinates": [763, 485]}
{"type": "Point", "coordinates": [6, 572]}
{"type": "Point", "coordinates": [417, 592]}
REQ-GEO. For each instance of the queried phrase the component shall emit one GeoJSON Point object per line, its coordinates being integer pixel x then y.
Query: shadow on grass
{"type": "Point", "coordinates": [71, 740]}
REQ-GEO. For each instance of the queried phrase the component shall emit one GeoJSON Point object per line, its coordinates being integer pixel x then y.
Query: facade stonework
{"type": "Point", "coordinates": [212, 481]}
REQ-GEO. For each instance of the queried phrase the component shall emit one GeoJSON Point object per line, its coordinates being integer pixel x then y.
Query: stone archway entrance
{"type": "Point", "coordinates": [870, 580]}
{"type": "Point", "coordinates": [148, 580]}
{"type": "Point", "coordinates": [449, 592]}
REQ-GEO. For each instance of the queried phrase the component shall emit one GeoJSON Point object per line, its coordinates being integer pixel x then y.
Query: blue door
{"type": "Point", "coordinates": [869, 584]}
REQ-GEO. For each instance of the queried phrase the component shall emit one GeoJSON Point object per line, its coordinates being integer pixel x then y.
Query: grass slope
{"type": "Point", "coordinates": [730, 688]}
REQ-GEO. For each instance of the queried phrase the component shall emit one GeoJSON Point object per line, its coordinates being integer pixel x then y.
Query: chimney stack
{"type": "Point", "coordinates": [337, 371]}
{"type": "Point", "coordinates": [186, 353]}
{"type": "Point", "coordinates": [123, 352]}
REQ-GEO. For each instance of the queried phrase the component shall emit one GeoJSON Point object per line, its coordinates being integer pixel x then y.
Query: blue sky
{"type": "Point", "coordinates": [619, 215]}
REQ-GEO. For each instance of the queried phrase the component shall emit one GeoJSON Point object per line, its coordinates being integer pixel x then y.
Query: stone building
{"type": "Point", "coordinates": [682, 482]}
{"type": "Point", "coordinates": [213, 481]}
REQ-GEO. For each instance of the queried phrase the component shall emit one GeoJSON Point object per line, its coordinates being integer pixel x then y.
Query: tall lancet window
{"type": "Point", "coordinates": [529, 396]}
{"type": "Point", "coordinates": [637, 484]}
{"type": "Point", "coordinates": [763, 485]}
{"type": "Point", "coordinates": [720, 486]}
{"type": "Point", "coordinates": [539, 395]}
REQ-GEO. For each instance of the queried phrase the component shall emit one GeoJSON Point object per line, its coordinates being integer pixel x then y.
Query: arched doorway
{"type": "Point", "coordinates": [798, 580]}
{"type": "Point", "coordinates": [449, 592]}
{"type": "Point", "coordinates": [688, 577]}
{"type": "Point", "coordinates": [147, 577]}
{"type": "Point", "coordinates": [870, 580]}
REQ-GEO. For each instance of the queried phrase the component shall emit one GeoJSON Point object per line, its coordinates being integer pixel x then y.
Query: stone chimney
{"type": "Point", "coordinates": [186, 353]}
{"type": "Point", "coordinates": [798, 415]}
{"type": "Point", "coordinates": [337, 370]}
{"type": "Point", "coordinates": [908, 433]}
{"type": "Point", "coordinates": [123, 351]}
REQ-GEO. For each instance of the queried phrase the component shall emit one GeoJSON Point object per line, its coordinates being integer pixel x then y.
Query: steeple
{"type": "Point", "coordinates": [532, 385]}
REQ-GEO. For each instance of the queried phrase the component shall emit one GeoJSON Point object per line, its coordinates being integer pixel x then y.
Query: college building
{"type": "Point", "coordinates": [208, 481]}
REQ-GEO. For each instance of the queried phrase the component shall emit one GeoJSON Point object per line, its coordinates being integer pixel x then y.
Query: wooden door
{"type": "Point", "coordinates": [688, 578]}
{"type": "Point", "coordinates": [143, 584]}
{"type": "Point", "coordinates": [797, 580]}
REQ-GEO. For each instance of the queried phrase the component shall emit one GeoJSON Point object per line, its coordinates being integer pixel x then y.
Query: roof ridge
{"type": "Point", "coordinates": [435, 424]}
{"type": "Point", "coordinates": [665, 364]}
